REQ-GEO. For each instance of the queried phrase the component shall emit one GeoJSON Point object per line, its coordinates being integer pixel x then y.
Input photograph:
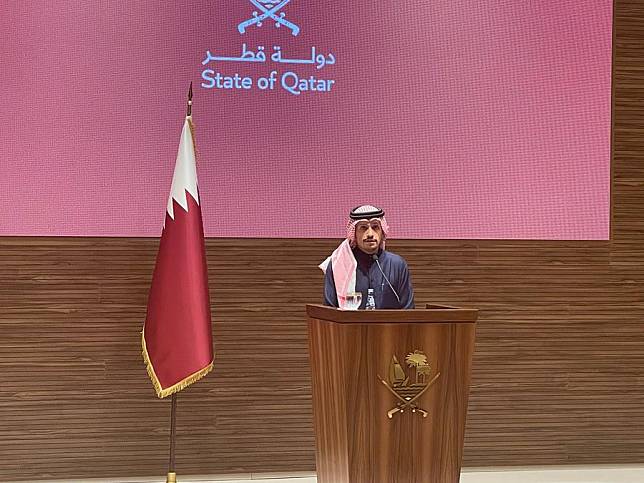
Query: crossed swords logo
{"type": "Point", "coordinates": [269, 9]}
{"type": "Point", "coordinates": [408, 402]}
{"type": "Point", "coordinates": [408, 392]}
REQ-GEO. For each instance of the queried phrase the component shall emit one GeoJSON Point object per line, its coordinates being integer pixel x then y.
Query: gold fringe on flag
{"type": "Point", "coordinates": [179, 385]}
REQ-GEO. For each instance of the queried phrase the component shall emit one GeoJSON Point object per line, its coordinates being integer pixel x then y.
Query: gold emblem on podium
{"type": "Point", "coordinates": [406, 389]}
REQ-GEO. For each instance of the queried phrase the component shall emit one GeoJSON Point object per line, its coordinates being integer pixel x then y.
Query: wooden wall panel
{"type": "Point", "coordinates": [557, 372]}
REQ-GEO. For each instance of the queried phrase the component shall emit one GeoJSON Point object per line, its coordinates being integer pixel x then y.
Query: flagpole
{"type": "Point", "coordinates": [189, 113]}
{"type": "Point", "coordinates": [172, 475]}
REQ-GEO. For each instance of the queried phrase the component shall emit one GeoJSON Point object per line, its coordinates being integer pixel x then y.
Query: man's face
{"type": "Point", "coordinates": [369, 235]}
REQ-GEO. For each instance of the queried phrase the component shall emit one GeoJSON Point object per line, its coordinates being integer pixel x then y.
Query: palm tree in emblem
{"type": "Point", "coordinates": [418, 360]}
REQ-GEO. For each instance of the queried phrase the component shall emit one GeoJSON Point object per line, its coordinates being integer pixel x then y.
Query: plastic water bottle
{"type": "Point", "coordinates": [371, 301]}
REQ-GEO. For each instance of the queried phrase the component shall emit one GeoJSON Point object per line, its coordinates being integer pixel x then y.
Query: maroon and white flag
{"type": "Point", "coordinates": [177, 334]}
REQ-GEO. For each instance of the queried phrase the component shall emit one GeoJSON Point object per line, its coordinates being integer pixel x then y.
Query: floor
{"type": "Point", "coordinates": [570, 474]}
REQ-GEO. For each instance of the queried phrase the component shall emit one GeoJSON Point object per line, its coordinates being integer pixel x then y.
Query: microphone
{"type": "Point", "coordinates": [375, 259]}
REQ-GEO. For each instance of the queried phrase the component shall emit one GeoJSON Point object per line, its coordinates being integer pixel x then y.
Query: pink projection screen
{"type": "Point", "coordinates": [463, 120]}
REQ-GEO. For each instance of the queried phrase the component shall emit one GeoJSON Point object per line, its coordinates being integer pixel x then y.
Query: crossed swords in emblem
{"type": "Point", "coordinates": [269, 11]}
{"type": "Point", "coordinates": [408, 403]}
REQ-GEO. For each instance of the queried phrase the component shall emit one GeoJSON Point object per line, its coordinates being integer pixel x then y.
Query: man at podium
{"type": "Point", "coordinates": [361, 263]}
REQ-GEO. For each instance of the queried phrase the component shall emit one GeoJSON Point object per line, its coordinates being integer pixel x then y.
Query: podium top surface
{"type": "Point", "coordinates": [433, 314]}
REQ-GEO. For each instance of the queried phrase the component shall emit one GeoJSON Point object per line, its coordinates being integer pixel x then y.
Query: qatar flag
{"type": "Point", "coordinates": [177, 334]}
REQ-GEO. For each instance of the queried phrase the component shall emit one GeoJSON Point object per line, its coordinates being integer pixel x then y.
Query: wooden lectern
{"type": "Point", "coordinates": [390, 390]}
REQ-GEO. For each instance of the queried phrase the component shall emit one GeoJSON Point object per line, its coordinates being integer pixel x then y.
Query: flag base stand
{"type": "Point", "coordinates": [172, 477]}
